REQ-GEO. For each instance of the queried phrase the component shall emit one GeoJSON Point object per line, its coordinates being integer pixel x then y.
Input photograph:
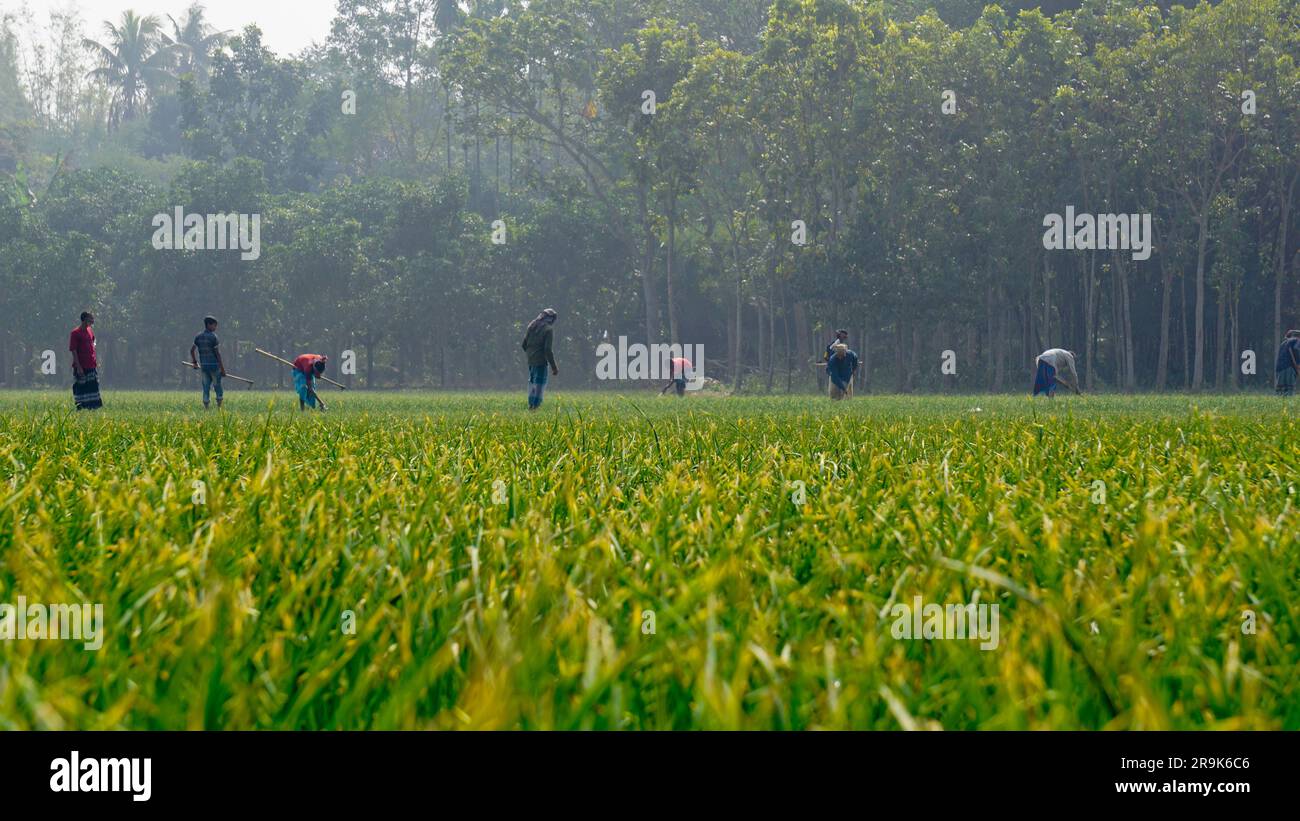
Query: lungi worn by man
{"type": "Point", "coordinates": [85, 366]}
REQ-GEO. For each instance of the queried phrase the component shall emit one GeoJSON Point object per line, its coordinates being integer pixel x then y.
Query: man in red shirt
{"type": "Point", "coordinates": [85, 367]}
{"type": "Point", "coordinates": [680, 370]}
{"type": "Point", "coordinates": [305, 370]}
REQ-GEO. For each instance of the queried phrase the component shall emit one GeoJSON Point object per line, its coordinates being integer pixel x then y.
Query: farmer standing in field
{"type": "Point", "coordinates": [680, 369]}
{"type": "Point", "coordinates": [305, 370]}
{"type": "Point", "coordinates": [841, 338]}
{"type": "Point", "coordinates": [537, 345]}
{"type": "Point", "coordinates": [841, 365]}
{"type": "Point", "coordinates": [85, 366]}
{"type": "Point", "coordinates": [1288, 364]}
{"type": "Point", "coordinates": [209, 360]}
{"type": "Point", "coordinates": [1055, 365]}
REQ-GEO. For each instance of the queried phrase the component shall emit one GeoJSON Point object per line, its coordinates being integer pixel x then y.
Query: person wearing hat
{"type": "Point", "coordinates": [1288, 364]}
{"type": "Point", "coordinates": [305, 370]}
{"type": "Point", "coordinates": [537, 345]}
{"type": "Point", "coordinates": [841, 365]}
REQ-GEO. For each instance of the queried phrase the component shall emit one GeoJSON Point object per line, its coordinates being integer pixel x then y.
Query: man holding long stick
{"type": "Point", "coordinates": [209, 362]}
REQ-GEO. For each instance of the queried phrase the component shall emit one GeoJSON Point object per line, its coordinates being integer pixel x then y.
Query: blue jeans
{"type": "Point", "coordinates": [536, 384]}
{"type": "Point", "coordinates": [211, 382]}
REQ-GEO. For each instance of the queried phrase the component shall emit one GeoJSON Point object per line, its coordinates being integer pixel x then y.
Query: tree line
{"type": "Point", "coordinates": [746, 176]}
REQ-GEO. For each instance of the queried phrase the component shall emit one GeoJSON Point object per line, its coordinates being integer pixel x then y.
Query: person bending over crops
{"type": "Point", "coordinates": [305, 370]}
{"type": "Point", "coordinates": [537, 345]}
{"type": "Point", "coordinates": [680, 369]}
{"type": "Point", "coordinates": [1288, 364]}
{"type": "Point", "coordinates": [841, 365]}
{"type": "Point", "coordinates": [208, 360]}
{"type": "Point", "coordinates": [1055, 365]}
{"type": "Point", "coordinates": [85, 365]}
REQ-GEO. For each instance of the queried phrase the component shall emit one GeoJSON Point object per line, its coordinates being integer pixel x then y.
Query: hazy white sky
{"type": "Point", "coordinates": [288, 26]}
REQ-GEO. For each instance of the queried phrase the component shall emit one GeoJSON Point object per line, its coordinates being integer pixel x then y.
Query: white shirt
{"type": "Point", "coordinates": [1063, 361]}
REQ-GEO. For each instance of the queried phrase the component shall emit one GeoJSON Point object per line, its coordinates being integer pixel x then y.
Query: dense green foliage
{"type": "Point", "coordinates": [924, 227]}
{"type": "Point", "coordinates": [499, 564]}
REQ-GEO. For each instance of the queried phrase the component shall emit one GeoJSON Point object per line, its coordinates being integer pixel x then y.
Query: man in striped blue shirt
{"type": "Point", "coordinates": [209, 360]}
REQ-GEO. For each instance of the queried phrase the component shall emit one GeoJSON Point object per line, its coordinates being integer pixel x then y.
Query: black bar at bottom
{"type": "Point", "coordinates": [335, 771]}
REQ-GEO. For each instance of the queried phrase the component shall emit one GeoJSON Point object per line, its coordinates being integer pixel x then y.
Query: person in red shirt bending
{"type": "Point", "coordinates": [680, 370]}
{"type": "Point", "coordinates": [305, 370]}
{"type": "Point", "coordinates": [85, 367]}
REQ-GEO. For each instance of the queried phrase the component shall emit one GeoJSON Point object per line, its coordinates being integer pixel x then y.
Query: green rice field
{"type": "Point", "coordinates": [449, 561]}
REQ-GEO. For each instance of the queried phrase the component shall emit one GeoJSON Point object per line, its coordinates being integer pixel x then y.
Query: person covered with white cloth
{"type": "Point", "coordinates": [1055, 365]}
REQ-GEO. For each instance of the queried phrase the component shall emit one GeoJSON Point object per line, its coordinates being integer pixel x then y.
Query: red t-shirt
{"type": "Point", "coordinates": [306, 362]}
{"type": "Point", "coordinates": [82, 345]}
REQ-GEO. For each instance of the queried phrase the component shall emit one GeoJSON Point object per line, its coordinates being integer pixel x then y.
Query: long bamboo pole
{"type": "Point", "coordinates": [228, 376]}
{"type": "Point", "coordinates": [290, 364]}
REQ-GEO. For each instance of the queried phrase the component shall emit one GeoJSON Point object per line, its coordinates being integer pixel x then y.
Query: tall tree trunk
{"type": "Point", "coordinates": [1279, 258]}
{"type": "Point", "coordinates": [789, 348]}
{"type": "Point", "coordinates": [673, 335]}
{"type": "Point", "coordinates": [899, 366]}
{"type": "Point", "coordinates": [647, 270]}
{"type": "Point", "coordinates": [1129, 343]}
{"type": "Point", "coordinates": [1162, 362]}
{"type": "Point", "coordinates": [1203, 234]}
{"type": "Point", "coordinates": [771, 308]}
{"type": "Point", "coordinates": [737, 366]}
{"type": "Point", "coordinates": [991, 348]}
{"type": "Point", "coordinates": [370, 361]}
{"type": "Point", "coordinates": [447, 115]}
{"type": "Point", "coordinates": [1220, 338]}
{"type": "Point", "coordinates": [1234, 357]}
{"type": "Point", "coordinates": [914, 360]}
{"type": "Point", "coordinates": [802, 334]}
{"type": "Point", "coordinates": [866, 356]}
{"type": "Point", "coordinates": [1089, 264]}
{"type": "Point", "coordinates": [1187, 345]}
{"type": "Point", "coordinates": [1046, 339]}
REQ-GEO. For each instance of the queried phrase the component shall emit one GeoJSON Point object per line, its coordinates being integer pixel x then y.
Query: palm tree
{"type": "Point", "coordinates": [196, 41]}
{"type": "Point", "coordinates": [133, 62]}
